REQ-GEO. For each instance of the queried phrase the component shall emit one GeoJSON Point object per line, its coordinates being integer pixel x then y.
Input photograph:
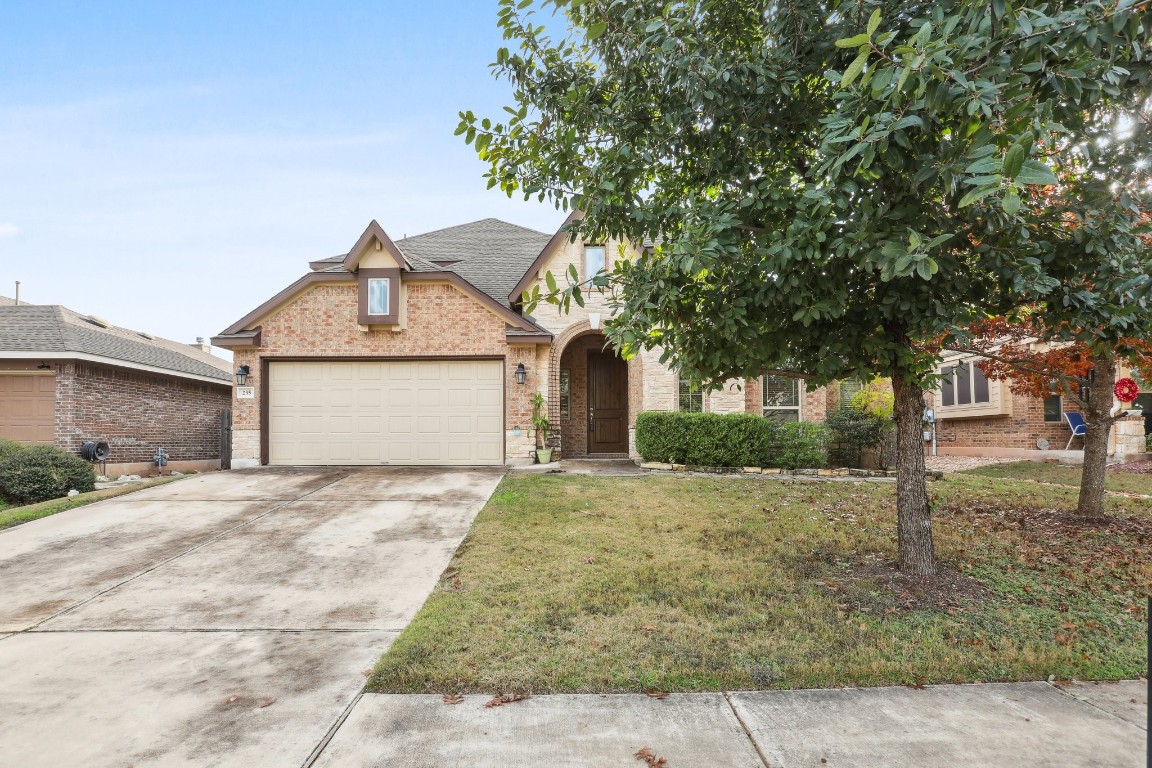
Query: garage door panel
{"type": "Point", "coordinates": [384, 412]}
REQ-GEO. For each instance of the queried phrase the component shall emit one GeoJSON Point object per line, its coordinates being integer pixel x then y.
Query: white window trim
{"type": "Point", "coordinates": [798, 408]}
{"type": "Point", "coordinates": [387, 295]}
{"type": "Point", "coordinates": [604, 259]}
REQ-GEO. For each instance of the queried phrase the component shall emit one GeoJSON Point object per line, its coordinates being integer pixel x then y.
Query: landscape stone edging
{"type": "Point", "coordinates": [840, 472]}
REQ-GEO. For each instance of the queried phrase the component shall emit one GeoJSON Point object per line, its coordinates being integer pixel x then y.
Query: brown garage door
{"type": "Point", "coordinates": [28, 407]}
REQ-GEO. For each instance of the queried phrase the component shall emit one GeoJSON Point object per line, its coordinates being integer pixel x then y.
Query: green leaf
{"type": "Point", "coordinates": [873, 22]}
{"type": "Point", "coordinates": [977, 194]}
{"type": "Point", "coordinates": [853, 42]}
{"type": "Point", "coordinates": [595, 30]}
{"type": "Point", "coordinates": [854, 69]}
{"type": "Point", "coordinates": [1010, 203]}
{"type": "Point", "coordinates": [1013, 161]}
{"type": "Point", "coordinates": [1034, 172]}
{"type": "Point", "coordinates": [551, 282]}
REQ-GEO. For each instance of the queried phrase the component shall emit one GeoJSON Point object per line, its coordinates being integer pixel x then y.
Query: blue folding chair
{"type": "Point", "coordinates": [1076, 423]}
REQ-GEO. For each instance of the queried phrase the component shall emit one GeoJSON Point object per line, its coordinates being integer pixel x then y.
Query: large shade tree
{"type": "Point", "coordinates": [830, 186]}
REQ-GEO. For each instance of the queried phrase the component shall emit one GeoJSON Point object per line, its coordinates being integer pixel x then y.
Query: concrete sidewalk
{"type": "Point", "coordinates": [993, 725]}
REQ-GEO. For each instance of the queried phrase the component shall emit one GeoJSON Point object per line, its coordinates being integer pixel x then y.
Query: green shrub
{"type": "Point", "coordinates": [800, 445]}
{"type": "Point", "coordinates": [10, 448]}
{"type": "Point", "coordinates": [43, 472]}
{"type": "Point", "coordinates": [854, 430]}
{"type": "Point", "coordinates": [729, 440]}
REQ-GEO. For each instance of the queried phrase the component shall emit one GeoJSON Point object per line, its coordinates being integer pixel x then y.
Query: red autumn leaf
{"type": "Point", "coordinates": [453, 698]}
{"type": "Point", "coordinates": [507, 698]}
{"type": "Point", "coordinates": [649, 757]}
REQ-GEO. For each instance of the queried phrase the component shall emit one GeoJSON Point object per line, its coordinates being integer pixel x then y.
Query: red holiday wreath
{"type": "Point", "coordinates": [1126, 390]}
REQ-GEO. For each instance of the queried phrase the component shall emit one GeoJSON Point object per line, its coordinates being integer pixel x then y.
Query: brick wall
{"type": "Point", "coordinates": [442, 321]}
{"type": "Point", "coordinates": [1022, 429]}
{"type": "Point", "coordinates": [137, 412]}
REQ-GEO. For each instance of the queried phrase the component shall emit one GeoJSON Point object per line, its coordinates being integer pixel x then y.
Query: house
{"type": "Point", "coordinates": [417, 351]}
{"type": "Point", "coordinates": [67, 379]}
{"type": "Point", "coordinates": [978, 416]}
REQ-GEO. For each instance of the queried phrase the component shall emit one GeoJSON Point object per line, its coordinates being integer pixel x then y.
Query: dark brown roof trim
{"type": "Point", "coordinates": [528, 338]}
{"type": "Point", "coordinates": [374, 231]}
{"type": "Point", "coordinates": [274, 302]}
{"type": "Point", "coordinates": [561, 235]}
{"type": "Point", "coordinates": [233, 340]}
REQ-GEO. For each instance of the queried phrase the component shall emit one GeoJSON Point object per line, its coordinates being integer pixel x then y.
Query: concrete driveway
{"type": "Point", "coordinates": [227, 619]}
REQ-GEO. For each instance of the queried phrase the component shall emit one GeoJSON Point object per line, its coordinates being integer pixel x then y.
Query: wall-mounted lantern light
{"type": "Point", "coordinates": [242, 375]}
{"type": "Point", "coordinates": [521, 374]}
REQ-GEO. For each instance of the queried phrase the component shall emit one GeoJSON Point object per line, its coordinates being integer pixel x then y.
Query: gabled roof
{"type": "Point", "coordinates": [486, 258]}
{"type": "Point", "coordinates": [52, 331]}
{"type": "Point", "coordinates": [541, 258]}
{"type": "Point", "coordinates": [373, 234]}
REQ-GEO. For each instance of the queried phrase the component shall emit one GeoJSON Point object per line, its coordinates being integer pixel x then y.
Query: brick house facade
{"type": "Point", "coordinates": [458, 293]}
{"type": "Point", "coordinates": [67, 379]}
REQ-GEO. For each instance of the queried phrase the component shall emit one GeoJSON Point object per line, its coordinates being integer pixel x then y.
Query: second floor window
{"type": "Point", "coordinates": [593, 260]}
{"type": "Point", "coordinates": [378, 295]}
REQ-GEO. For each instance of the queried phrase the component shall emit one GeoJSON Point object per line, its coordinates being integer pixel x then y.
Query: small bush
{"type": "Point", "coordinates": [10, 448]}
{"type": "Point", "coordinates": [855, 430]}
{"type": "Point", "coordinates": [800, 445]}
{"type": "Point", "coordinates": [729, 440]}
{"type": "Point", "coordinates": [43, 472]}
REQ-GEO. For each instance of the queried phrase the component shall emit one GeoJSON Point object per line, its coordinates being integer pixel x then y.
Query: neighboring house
{"type": "Point", "coordinates": [66, 379]}
{"type": "Point", "coordinates": [977, 416]}
{"type": "Point", "coordinates": [413, 352]}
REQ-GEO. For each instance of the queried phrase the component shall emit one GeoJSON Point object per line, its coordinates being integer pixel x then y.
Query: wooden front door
{"type": "Point", "coordinates": [607, 403]}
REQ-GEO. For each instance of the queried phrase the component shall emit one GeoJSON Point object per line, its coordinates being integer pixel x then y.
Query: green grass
{"type": "Point", "coordinates": [10, 516]}
{"type": "Point", "coordinates": [597, 584]}
{"type": "Point", "coordinates": [1063, 474]}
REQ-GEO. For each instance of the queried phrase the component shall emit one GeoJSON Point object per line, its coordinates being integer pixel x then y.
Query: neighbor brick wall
{"type": "Point", "coordinates": [442, 321]}
{"type": "Point", "coordinates": [1021, 429]}
{"type": "Point", "coordinates": [137, 412]}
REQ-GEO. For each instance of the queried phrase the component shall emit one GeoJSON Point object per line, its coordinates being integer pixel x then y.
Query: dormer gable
{"type": "Point", "coordinates": [375, 250]}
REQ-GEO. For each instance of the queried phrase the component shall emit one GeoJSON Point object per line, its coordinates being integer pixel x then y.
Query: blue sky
{"type": "Point", "coordinates": [169, 166]}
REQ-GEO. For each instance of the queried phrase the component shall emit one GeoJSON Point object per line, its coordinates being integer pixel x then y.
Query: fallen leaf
{"type": "Point", "coordinates": [646, 755]}
{"type": "Point", "coordinates": [655, 694]}
{"type": "Point", "coordinates": [267, 703]}
{"type": "Point", "coordinates": [507, 698]}
{"type": "Point", "coordinates": [453, 698]}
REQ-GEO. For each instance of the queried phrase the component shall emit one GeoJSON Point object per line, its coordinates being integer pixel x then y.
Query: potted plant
{"type": "Point", "coordinates": [543, 428]}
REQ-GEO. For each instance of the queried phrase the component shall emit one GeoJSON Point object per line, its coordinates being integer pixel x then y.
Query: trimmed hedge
{"type": "Point", "coordinates": [43, 472]}
{"type": "Point", "coordinates": [730, 440]}
{"type": "Point", "coordinates": [9, 448]}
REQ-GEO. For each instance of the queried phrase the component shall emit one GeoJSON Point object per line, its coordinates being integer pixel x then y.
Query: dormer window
{"type": "Point", "coordinates": [378, 289]}
{"type": "Point", "coordinates": [379, 296]}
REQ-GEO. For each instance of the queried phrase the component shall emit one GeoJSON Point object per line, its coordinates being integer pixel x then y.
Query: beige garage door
{"type": "Point", "coordinates": [429, 412]}
{"type": "Point", "coordinates": [28, 407]}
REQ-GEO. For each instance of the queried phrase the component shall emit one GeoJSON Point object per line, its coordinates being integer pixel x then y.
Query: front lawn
{"type": "Point", "coordinates": [10, 516]}
{"type": "Point", "coordinates": [1065, 474]}
{"type": "Point", "coordinates": [584, 584]}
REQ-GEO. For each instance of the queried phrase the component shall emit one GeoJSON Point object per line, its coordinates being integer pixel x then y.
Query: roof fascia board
{"type": "Point", "coordinates": [561, 235]}
{"type": "Point", "coordinates": [112, 361]}
{"type": "Point", "coordinates": [374, 231]}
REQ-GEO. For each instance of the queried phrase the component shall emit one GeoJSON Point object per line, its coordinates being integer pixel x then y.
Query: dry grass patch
{"type": "Point", "coordinates": [584, 584]}
{"type": "Point", "coordinates": [10, 516]}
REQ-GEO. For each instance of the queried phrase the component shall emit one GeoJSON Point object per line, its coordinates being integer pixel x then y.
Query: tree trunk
{"type": "Point", "coordinates": [914, 519]}
{"type": "Point", "coordinates": [1099, 425]}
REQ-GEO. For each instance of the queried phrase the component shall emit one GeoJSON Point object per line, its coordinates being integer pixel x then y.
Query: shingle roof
{"type": "Point", "coordinates": [490, 254]}
{"type": "Point", "coordinates": [58, 331]}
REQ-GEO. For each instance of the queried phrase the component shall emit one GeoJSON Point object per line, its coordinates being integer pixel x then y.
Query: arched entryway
{"type": "Point", "coordinates": [589, 388]}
